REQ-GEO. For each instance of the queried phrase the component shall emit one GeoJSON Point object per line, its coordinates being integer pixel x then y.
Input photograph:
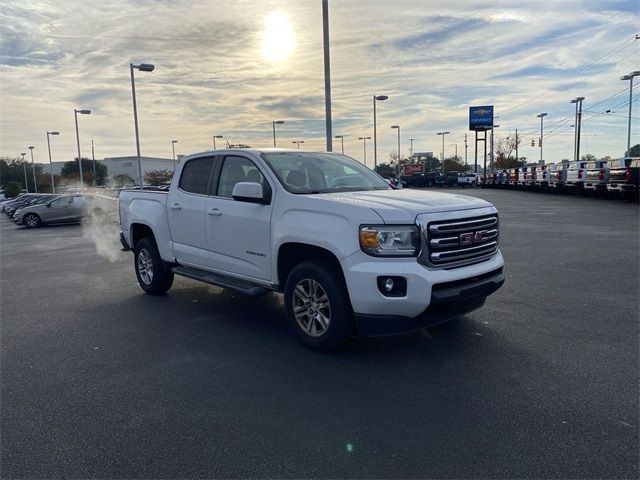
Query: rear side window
{"type": "Point", "coordinates": [195, 175]}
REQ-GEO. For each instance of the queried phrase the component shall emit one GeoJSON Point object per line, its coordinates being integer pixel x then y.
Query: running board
{"type": "Point", "coordinates": [221, 281]}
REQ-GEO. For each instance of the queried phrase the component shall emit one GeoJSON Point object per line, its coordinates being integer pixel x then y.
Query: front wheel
{"type": "Point", "coordinates": [318, 306]}
{"type": "Point", "coordinates": [153, 276]}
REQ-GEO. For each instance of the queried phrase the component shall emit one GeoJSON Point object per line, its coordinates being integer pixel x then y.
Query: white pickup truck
{"type": "Point", "coordinates": [351, 255]}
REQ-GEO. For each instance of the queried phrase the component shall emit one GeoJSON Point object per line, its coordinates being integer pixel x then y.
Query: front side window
{"type": "Point", "coordinates": [195, 175]}
{"type": "Point", "coordinates": [310, 172]}
{"type": "Point", "coordinates": [235, 170]}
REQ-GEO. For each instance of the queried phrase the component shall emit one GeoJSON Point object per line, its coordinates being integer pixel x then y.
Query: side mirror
{"type": "Point", "coordinates": [248, 192]}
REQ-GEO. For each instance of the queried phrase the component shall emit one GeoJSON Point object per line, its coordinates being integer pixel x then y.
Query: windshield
{"type": "Point", "coordinates": [310, 172]}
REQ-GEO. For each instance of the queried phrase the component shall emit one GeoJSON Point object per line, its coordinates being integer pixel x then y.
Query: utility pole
{"type": "Point", "coordinates": [411, 147]}
{"type": "Point", "coordinates": [517, 158]}
{"type": "Point", "coordinates": [579, 128]}
{"type": "Point", "coordinates": [465, 149]}
{"type": "Point", "coordinates": [576, 134]}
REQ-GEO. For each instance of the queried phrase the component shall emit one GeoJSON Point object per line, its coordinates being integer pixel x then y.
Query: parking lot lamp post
{"type": "Point", "coordinates": [397, 127]}
{"type": "Point", "coordinates": [273, 124]}
{"type": "Point", "coordinates": [53, 184]}
{"type": "Point", "coordinates": [375, 135]}
{"type": "Point", "coordinates": [33, 168]}
{"type": "Point", "coordinates": [364, 146]}
{"type": "Point", "coordinates": [298, 142]}
{"type": "Point", "coordinates": [341, 137]}
{"type": "Point", "coordinates": [576, 138]}
{"type": "Point", "coordinates": [81, 112]}
{"type": "Point", "coordinates": [143, 67]}
{"type": "Point", "coordinates": [173, 149]}
{"type": "Point", "coordinates": [541, 117]}
{"type": "Point", "coordinates": [455, 145]}
{"type": "Point", "coordinates": [443, 134]}
{"type": "Point", "coordinates": [24, 167]}
{"type": "Point", "coordinates": [214, 140]}
{"type": "Point", "coordinates": [630, 78]}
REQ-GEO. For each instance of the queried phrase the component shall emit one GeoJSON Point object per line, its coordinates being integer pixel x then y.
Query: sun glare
{"type": "Point", "coordinates": [277, 37]}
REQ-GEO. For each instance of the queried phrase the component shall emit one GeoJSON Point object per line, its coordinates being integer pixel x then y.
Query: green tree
{"type": "Point", "coordinates": [70, 171]}
{"type": "Point", "coordinates": [454, 164]}
{"type": "Point", "coordinates": [158, 177]}
{"type": "Point", "coordinates": [589, 157]}
{"type": "Point", "coordinates": [12, 189]}
{"type": "Point", "coordinates": [634, 151]}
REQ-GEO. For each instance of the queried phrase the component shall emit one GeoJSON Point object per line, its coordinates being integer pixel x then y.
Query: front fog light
{"type": "Point", "coordinates": [392, 286]}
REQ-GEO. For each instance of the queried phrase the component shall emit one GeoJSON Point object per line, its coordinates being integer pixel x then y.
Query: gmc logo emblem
{"type": "Point", "coordinates": [472, 238]}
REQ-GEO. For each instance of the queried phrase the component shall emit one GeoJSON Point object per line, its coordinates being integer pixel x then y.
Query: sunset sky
{"type": "Point", "coordinates": [231, 67]}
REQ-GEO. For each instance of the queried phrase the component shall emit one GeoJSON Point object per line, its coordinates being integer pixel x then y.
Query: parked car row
{"type": "Point", "coordinates": [35, 209]}
{"type": "Point", "coordinates": [600, 177]}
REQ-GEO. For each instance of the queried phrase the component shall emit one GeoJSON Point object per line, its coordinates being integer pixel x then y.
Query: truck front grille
{"type": "Point", "coordinates": [456, 243]}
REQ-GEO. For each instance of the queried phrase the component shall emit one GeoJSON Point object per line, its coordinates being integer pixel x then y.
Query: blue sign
{"type": "Point", "coordinates": [481, 118]}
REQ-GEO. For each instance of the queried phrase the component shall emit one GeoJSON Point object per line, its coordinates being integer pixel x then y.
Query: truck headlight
{"type": "Point", "coordinates": [390, 240]}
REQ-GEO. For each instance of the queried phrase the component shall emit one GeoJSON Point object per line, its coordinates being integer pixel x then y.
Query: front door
{"type": "Point", "coordinates": [186, 202]}
{"type": "Point", "coordinates": [238, 233]}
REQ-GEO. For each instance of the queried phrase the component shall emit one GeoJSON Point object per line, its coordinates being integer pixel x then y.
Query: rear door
{"type": "Point", "coordinates": [185, 211]}
{"type": "Point", "coordinates": [239, 233]}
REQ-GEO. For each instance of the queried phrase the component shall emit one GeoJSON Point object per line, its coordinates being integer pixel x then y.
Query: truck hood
{"type": "Point", "coordinates": [402, 206]}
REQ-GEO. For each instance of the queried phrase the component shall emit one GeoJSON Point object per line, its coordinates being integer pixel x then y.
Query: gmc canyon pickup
{"type": "Point", "coordinates": [351, 255]}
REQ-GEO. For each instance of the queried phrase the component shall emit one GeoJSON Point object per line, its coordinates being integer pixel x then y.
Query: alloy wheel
{"type": "Point", "coordinates": [145, 267]}
{"type": "Point", "coordinates": [311, 307]}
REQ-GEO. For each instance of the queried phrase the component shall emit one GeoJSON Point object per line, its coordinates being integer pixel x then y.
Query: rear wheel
{"type": "Point", "coordinates": [98, 216]}
{"type": "Point", "coordinates": [31, 220]}
{"type": "Point", "coordinates": [153, 277]}
{"type": "Point", "coordinates": [318, 306]}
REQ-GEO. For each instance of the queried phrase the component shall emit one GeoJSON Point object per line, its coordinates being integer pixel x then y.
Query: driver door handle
{"type": "Point", "coordinates": [214, 211]}
{"type": "Point", "coordinates": [176, 206]}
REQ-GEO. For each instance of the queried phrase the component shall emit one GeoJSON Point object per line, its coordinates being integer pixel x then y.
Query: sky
{"type": "Point", "coordinates": [231, 67]}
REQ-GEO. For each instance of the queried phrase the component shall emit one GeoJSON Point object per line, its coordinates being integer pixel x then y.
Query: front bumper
{"type": "Point", "coordinates": [423, 283]}
{"type": "Point", "coordinates": [448, 301]}
{"type": "Point", "coordinates": [621, 187]}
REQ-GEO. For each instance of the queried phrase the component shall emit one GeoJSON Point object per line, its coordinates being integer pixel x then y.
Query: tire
{"type": "Point", "coordinates": [153, 277]}
{"type": "Point", "coordinates": [31, 220]}
{"type": "Point", "coordinates": [306, 287]}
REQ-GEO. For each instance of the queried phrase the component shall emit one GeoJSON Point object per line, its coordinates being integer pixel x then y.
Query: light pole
{"type": "Point", "coordinates": [576, 138]}
{"type": "Point", "coordinates": [93, 158]}
{"type": "Point", "coordinates": [541, 117]}
{"type": "Point", "coordinates": [33, 168]}
{"type": "Point", "coordinates": [273, 124]}
{"type": "Point", "coordinates": [456, 147]}
{"type": "Point", "coordinates": [493, 157]}
{"type": "Point", "coordinates": [173, 149]}
{"type": "Point", "coordinates": [443, 134]}
{"type": "Point", "coordinates": [143, 67]}
{"type": "Point", "coordinates": [341, 137]}
{"type": "Point", "coordinates": [298, 142]}
{"type": "Point", "coordinates": [364, 146]}
{"type": "Point", "coordinates": [327, 75]}
{"type": "Point", "coordinates": [411, 147]}
{"type": "Point", "coordinates": [81, 112]}
{"type": "Point", "coordinates": [24, 167]}
{"type": "Point", "coordinates": [53, 185]}
{"type": "Point", "coordinates": [375, 134]}
{"type": "Point", "coordinates": [630, 78]}
{"type": "Point", "coordinates": [398, 128]}
{"type": "Point", "coordinates": [214, 140]}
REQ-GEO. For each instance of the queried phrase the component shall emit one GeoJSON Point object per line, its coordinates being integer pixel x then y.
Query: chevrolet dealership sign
{"type": "Point", "coordinates": [481, 118]}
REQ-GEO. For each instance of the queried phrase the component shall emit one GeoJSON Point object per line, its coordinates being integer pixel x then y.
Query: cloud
{"type": "Point", "coordinates": [433, 58]}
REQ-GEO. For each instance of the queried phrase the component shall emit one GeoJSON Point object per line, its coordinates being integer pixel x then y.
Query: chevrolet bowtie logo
{"type": "Point", "coordinates": [472, 238]}
{"type": "Point", "coordinates": [482, 112]}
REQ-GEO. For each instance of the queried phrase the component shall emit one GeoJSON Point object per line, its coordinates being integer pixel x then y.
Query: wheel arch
{"type": "Point", "coordinates": [291, 254]}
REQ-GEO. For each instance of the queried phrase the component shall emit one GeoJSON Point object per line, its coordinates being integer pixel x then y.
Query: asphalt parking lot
{"type": "Point", "coordinates": [100, 380]}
